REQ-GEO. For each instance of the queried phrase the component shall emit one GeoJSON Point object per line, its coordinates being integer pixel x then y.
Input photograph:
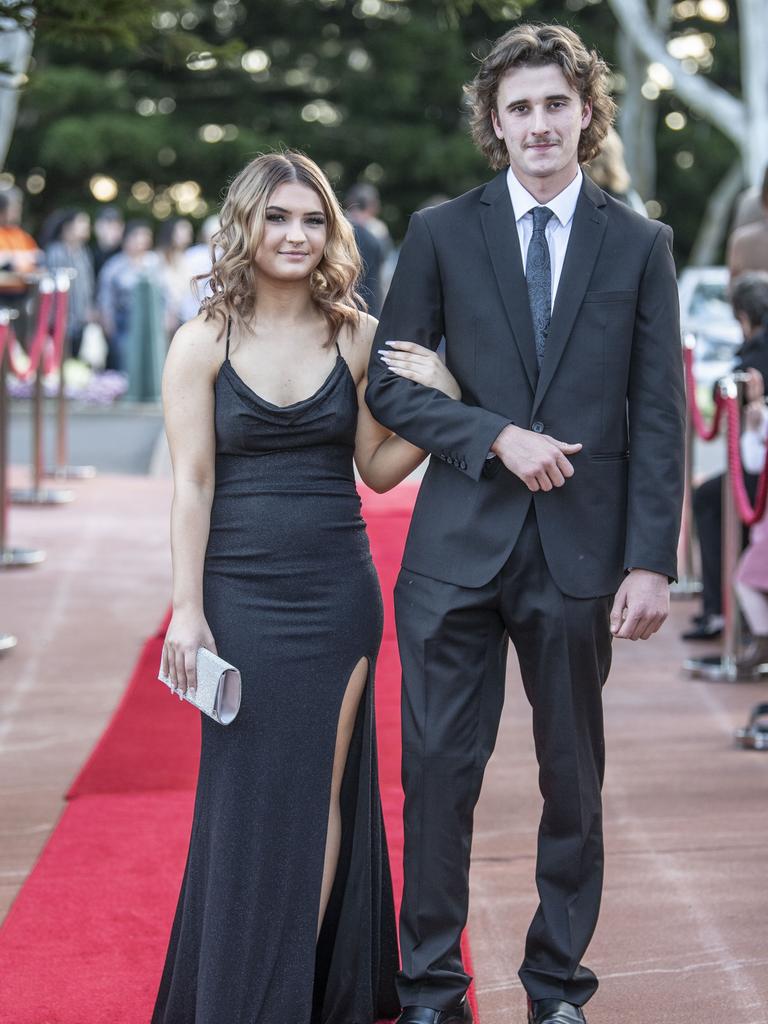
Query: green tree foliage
{"type": "Point", "coordinates": [83, 23]}
{"type": "Point", "coordinates": [372, 89]}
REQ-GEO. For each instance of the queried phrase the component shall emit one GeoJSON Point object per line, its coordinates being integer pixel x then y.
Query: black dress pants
{"type": "Point", "coordinates": [708, 515]}
{"type": "Point", "coordinates": [453, 645]}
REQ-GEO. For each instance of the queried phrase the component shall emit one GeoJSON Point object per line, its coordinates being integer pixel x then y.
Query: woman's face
{"type": "Point", "coordinates": [78, 230]}
{"type": "Point", "coordinates": [295, 233]}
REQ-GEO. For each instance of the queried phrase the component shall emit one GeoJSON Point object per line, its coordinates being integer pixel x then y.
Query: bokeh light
{"type": "Point", "coordinates": [103, 188]}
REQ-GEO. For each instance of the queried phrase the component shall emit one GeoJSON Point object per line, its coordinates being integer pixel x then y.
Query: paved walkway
{"type": "Point", "coordinates": [80, 618]}
{"type": "Point", "coordinates": [682, 936]}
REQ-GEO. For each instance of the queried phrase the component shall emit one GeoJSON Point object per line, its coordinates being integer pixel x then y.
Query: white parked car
{"type": "Point", "coordinates": [705, 312]}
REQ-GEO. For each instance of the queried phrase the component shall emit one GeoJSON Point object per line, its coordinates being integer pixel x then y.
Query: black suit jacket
{"type": "Point", "coordinates": [611, 378]}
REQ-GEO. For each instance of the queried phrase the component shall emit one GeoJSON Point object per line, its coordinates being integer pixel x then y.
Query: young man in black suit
{"type": "Point", "coordinates": [549, 513]}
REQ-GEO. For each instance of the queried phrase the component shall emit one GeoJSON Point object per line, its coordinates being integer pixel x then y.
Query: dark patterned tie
{"type": "Point", "coordinates": [538, 274]}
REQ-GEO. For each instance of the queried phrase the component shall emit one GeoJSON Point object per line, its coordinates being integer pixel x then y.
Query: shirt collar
{"type": "Point", "coordinates": [563, 205]}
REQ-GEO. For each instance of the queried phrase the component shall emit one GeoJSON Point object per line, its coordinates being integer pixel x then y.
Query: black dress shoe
{"type": "Point", "coordinates": [459, 1013]}
{"type": "Point", "coordinates": [709, 628]}
{"type": "Point", "coordinates": [554, 1011]}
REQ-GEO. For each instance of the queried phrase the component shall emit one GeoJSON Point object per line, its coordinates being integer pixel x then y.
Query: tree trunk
{"type": "Point", "coordinates": [15, 51]}
{"type": "Point", "coordinates": [710, 101]}
{"type": "Point", "coordinates": [714, 223]}
{"type": "Point", "coordinates": [637, 120]}
{"type": "Point", "coordinates": [753, 25]}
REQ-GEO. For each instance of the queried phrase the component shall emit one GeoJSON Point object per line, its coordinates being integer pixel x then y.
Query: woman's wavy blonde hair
{"type": "Point", "coordinates": [533, 46]}
{"type": "Point", "coordinates": [232, 281]}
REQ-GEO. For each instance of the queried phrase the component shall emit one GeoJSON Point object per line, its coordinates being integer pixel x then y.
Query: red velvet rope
{"type": "Point", "coordinates": [706, 433]}
{"type": "Point", "coordinates": [38, 344]}
{"type": "Point", "coordinates": [748, 515]}
{"type": "Point", "coordinates": [56, 350]}
{"type": "Point", "coordinates": [5, 333]}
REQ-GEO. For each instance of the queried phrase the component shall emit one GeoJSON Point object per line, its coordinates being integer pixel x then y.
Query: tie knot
{"type": "Point", "coordinates": [541, 215]}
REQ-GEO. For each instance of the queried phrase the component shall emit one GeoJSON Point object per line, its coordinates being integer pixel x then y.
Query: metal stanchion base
{"type": "Point", "coordinates": [685, 587]}
{"type": "Point", "coordinates": [7, 642]}
{"type": "Point", "coordinates": [40, 496]}
{"type": "Point", "coordinates": [717, 668]}
{"type": "Point", "coordinates": [72, 473]}
{"type": "Point", "coordinates": [11, 558]}
{"type": "Point", "coordinates": [755, 734]}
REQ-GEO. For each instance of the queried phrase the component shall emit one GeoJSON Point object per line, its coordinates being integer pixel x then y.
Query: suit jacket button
{"type": "Point", "coordinates": [538, 426]}
{"type": "Point", "coordinates": [462, 464]}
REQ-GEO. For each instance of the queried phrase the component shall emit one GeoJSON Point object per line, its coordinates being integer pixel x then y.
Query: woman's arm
{"type": "Point", "coordinates": [188, 405]}
{"type": "Point", "coordinates": [383, 459]}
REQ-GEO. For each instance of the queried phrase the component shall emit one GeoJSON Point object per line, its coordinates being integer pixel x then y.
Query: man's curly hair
{"type": "Point", "coordinates": [533, 46]}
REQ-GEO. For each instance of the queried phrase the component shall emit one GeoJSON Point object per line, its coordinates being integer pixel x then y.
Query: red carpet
{"type": "Point", "coordinates": [85, 939]}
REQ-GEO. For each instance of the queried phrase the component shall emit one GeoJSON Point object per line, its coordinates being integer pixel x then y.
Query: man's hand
{"type": "Point", "coordinates": [641, 605]}
{"type": "Point", "coordinates": [537, 459]}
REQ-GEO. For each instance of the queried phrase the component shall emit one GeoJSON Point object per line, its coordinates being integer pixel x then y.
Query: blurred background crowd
{"type": "Point", "coordinates": [128, 120]}
{"type": "Point", "coordinates": [121, 131]}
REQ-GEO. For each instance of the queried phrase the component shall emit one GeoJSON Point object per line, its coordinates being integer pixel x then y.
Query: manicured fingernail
{"type": "Point", "coordinates": [393, 343]}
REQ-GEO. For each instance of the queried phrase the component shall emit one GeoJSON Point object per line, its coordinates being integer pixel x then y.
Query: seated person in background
{"type": "Point", "coordinates": [749, 298]}
{"type": "Point", "coordinates": [751, 579]}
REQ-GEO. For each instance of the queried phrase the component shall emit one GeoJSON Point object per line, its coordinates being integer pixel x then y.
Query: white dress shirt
{"type": "Point", "coordinates": [753, 446]}
{"type": "Point", "coordinates": [558, 229]}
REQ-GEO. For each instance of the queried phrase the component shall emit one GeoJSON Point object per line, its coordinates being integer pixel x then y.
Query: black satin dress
{"type": "Point", "coordinates": [293, 600]}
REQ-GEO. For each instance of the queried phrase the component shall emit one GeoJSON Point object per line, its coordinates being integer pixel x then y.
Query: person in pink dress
{"type": "Point", "coordinates": [751, 580]}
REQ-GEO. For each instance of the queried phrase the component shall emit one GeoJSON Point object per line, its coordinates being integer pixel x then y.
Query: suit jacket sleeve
{"type": "Point", "coordinates": [656, 418]}
{"type": "Point", "coordinates": [455, 432]}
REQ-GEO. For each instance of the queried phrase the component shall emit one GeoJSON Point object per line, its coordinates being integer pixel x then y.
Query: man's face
{"type": "Point", "coordinates": [540, 117]}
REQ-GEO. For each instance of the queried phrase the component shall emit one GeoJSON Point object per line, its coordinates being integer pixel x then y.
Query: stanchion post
{"type": "Point", "coordinates": [9, 557]}
{"type": "Point", "coordinates": [688, 582]}
{"type": "Point", "coordinates": [37, 494]}
{"type": "Point", "coordinates": [732, 532]}
{"type": "Point", "coordinates": [724, 667]}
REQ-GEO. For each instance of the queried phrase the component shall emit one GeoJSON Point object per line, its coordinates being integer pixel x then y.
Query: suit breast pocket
{"type": "Point", "coordinates": [623, 296]}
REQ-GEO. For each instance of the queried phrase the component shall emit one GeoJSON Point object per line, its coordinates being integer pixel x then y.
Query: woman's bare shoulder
{"type": "Point", "coordinates": [356, 342]}
{"type": "Point", "coordinates": [199, 343]}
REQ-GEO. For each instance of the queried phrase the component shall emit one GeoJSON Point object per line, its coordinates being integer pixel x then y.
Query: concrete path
{"type": "Point", "coordinates": [683, 937]}
{"type": "Point", "coordinates": [81, 618]}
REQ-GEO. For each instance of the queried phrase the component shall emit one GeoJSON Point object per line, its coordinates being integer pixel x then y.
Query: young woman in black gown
{"type": "Point", "coordinates": [285, 914]}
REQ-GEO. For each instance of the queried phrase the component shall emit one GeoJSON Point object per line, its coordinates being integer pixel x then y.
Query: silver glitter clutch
{"type": "Point", "coordinates": [218, 687]}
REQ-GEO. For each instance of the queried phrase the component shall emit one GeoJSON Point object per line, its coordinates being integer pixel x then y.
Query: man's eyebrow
{"type": "Point", "coordinates": [558, 96]}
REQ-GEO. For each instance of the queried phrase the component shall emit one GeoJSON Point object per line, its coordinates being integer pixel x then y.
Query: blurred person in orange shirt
{"type": "Point", "coordinates": [18, 250]}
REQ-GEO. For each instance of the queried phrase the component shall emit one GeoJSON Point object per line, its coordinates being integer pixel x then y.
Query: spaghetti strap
{"type": "Point", "coordinates": [338, 350]}
{"type": "Point", "coordinates": [229, 331]}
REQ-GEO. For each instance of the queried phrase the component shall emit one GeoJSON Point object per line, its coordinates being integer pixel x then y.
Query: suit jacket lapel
{"type": "Point", "coordinates": [500, 232]}
{"type": "Point", "coordinates": [587, 230]}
